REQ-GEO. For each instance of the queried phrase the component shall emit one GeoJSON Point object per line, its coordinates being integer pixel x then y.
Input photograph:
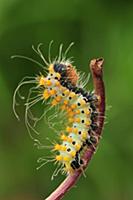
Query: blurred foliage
{"type": "Point", "coordinates": [98, 28]}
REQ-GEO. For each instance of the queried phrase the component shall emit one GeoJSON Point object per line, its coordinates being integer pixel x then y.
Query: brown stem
{"type": "Point", "coordinates": [96, 66]}
{"type": "Point", "coordinates": [97, 75]}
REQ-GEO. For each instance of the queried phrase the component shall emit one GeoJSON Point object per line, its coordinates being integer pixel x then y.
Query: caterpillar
{"type": "Point", "coordinates": [63, 90]}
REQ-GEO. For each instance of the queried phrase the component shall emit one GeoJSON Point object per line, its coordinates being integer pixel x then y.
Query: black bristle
{"type": "Point", "coordinates": [94, 126]}
{"type": "Point", "coordinates": [75, 164]}
{"type": "Point", "coordinates": [92, 105]}
{"type": "Point", "coordinates": [93, 139]}
{"type": "Point", "coordinates": [81, 162]}
{"type": "Point", "coordinates": [94, 115]}
{"type": "Point", "coordinates": [88, 142]}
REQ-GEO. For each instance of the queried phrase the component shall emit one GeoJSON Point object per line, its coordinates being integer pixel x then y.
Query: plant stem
{"type": "Point", "coordinates": [96, 66]}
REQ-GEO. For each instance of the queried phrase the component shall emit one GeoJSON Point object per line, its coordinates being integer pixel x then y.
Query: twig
{"type": "Point", "coordinates": [97, 75]}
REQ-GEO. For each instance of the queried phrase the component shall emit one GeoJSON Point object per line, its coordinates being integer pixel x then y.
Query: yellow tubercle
{"type": "Point", "coordinates": [87, 111]}
{"type": "Point", "coordinates": [84, 135]}
{"type": "Point", "coordinates": [71, 114]}
{"type": "Point", "coordinates": [77, 120]}
{"type": "Point", "coordinates": [77, 146]}
{"type": "Point", "coordinates": [48, 83]}
{"type": "Point", "coordinates": [82, 102]}
{"type": "Point", "coordinates": [52, 92]}
{"type": "Point", "coordinates": [72, 94]}
{"type": "Point", "coordinates": [69, 139]}
{"type": "Point", "coordinates": [57, 147]}
{"type": "Point", "coordinates": [51, 69]}
{"type": "Point", "coordinates": [73, 153]}
{"type": "Point", "coordinates": [42, 81]}
{"type": "Point", "coordinates": [65, 102]}
{"type": "Point", "coordinates": [73, 106]}
{"type": "Point", "coordinates": [62, 88]}
{"type": "Point", "coordinates": [75, 130]}
{"type": "Point", "coordinates": [59, 158]}
{"type": "Point", "coordinates": [71, 120]}
{"type": "Point", "coordinates": [77, 111]}
{"type": "Point", "coordinates": [54, 102]}
{"type": "Point", "coordinates": [66, 158]}
{"type": "Point", "coordinates": [58, 98]}
{"type": "Point", "coordinates": [66, 92]}
{"type": "Point", "coordinates": [57, 83]}
{"type": "Point", "coordinates": [63, 137]}
{"type": "Point", "coordinates": [69, 129]}
{"type": "Point", "coordinates": [46, 94]}
{"type": "Point", "coordinates": [66, 138]}
{"type": "Point", "coordinates": [88, 122]}
{"type": "Point", "coordinates": [63, 148]}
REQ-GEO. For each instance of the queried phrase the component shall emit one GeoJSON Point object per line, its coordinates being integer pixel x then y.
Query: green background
{"type": "Point", "coordinates": [98, 28]}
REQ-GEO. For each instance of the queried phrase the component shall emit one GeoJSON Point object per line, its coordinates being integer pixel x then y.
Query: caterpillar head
{"type": "Point", "coordinates": [68, 71]}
